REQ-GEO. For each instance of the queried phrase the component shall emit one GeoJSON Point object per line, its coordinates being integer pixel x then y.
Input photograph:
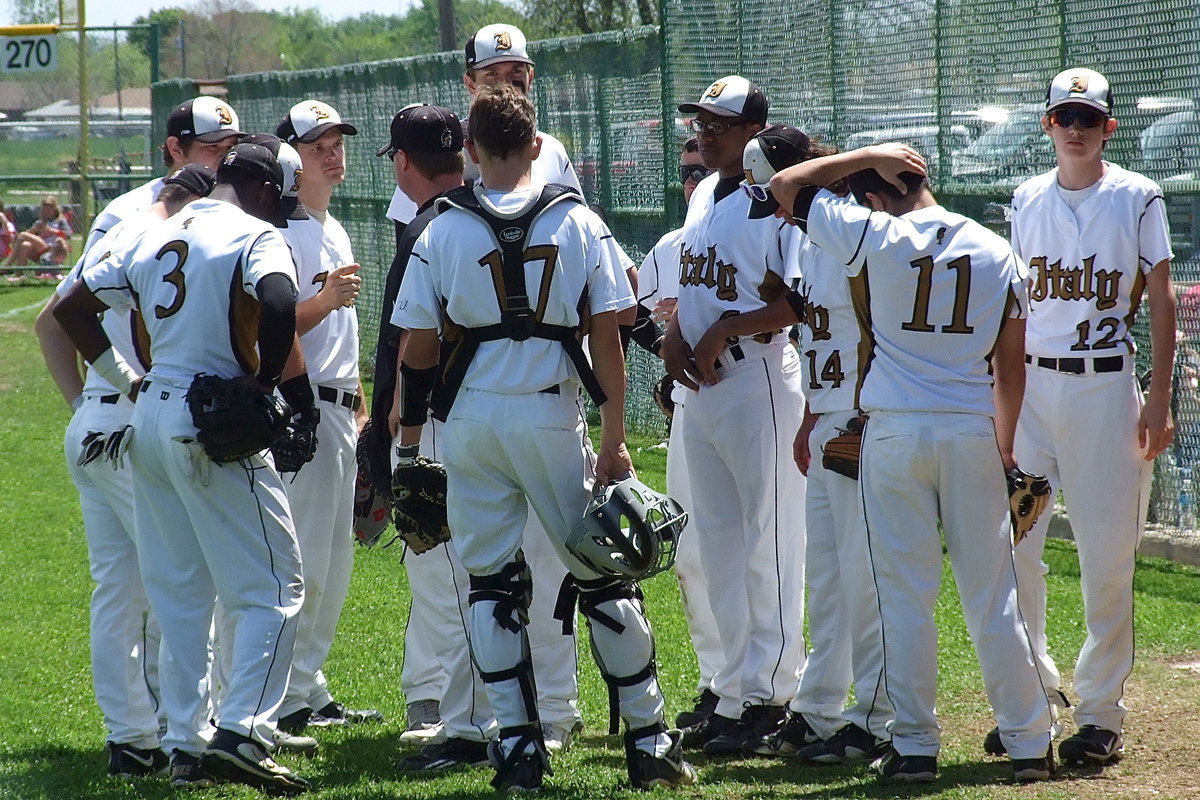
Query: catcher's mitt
{"type": "Point", "coordinates": [840, 454]}
{"type": "Point", "coordinates": [296, 445]}
{"type": "Point", "coordinates": [371, 508]}
{"type": "Point", "coordinates": [234, 418]}
{"type": "Point", "coordinates": [1028, 496]}
{"type": "Point", "coordinates": [419, 502]}
{"type": "Point", "coordinates": [662, 395]}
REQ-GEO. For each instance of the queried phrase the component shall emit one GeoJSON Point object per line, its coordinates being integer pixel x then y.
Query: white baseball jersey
{"type": "Point", "coordinates": [553, 165]}
{"type": "Point", "coordinates": [446, 263]}
{"type": "Point", "coordinates": [931, 272]}
{"type": "Point", "coordinates": [211, 252]}
{"type": "Point", "coordinates": [330, 348]}
{"type": "Point", "coordinates": [658, 278]}
{"type": "Point", "coordinates": [728, 263]}
{"type": "Point", "coordinates": [119, 326]}
{"type": "Point", "coordinates": [832, 345]}
{"type": "Point", "coordinates": [1082, 301]}
{"type": "Point", "coordinates": [137, 199]}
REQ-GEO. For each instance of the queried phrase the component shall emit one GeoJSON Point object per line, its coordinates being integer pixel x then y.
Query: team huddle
{"type": "Point", "coordinates": [858, 375]}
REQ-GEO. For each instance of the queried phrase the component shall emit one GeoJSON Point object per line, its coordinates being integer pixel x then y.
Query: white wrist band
{"type": "Point", "coordinates": [115, 370]}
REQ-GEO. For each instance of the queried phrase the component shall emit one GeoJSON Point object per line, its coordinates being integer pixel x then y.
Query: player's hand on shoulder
{"type": "Point", "coordinates": [677, 358]}
{"type": "Point", "coordinates": [1156, 428]}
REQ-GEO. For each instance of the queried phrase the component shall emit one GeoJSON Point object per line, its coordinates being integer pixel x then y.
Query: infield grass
{"type": "Point", "coordinates": [51, 733]}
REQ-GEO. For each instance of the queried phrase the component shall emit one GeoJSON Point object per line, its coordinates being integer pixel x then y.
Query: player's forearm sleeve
{"type": "Point", "coordinates": [276, 324]}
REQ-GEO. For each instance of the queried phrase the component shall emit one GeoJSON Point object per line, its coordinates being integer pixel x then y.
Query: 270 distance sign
{"type": "Point", "coordinates": [22, 54]}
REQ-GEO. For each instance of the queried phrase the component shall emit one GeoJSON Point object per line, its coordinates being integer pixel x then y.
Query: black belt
{"type": "Point", "coordinates": [351, 400]}
{"type": "Point", "coordinates": [162, 395]}
{"type": "Point", "coordinates": [107, 399]}
{"type": "Point", "coordinates": [735, 352]}
{"type": "Point", "coordinates": [1078, 366]}
{"type": "Point", "coordinates": [550, 390]}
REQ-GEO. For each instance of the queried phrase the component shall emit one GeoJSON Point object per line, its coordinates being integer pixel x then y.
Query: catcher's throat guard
{"type": "Point", "coordinates": [629, 531]}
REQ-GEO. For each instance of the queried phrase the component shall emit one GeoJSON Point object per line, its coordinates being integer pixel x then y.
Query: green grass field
{"type": "Point", "coordinates": [51, 733]}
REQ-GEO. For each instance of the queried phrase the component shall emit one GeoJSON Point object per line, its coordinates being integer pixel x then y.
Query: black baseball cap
{"type": "Point", "coordinates": [732, 96]}
{"type": "Point", "coordinates": [771, 150]}
{"type": "Point", "coordinates": [292, 169]}
{"type": "Point", "coordinates": [204, 119]}
{"type": "Point", "coordinates": [309, 120]}
{"type": "Point", "coordinates": [422, 128]}
{"type": "Point", "coordinates": [196, 178]}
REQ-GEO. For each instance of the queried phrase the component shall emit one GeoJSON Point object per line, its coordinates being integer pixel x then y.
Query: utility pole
{"type": "Point", "coordinates": [446, 24]}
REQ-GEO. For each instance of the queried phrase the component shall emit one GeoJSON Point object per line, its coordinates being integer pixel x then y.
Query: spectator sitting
{"type": "Point", "coordinates": [8, 232]}
{"type": "Point", "coordinates": [46, 241]}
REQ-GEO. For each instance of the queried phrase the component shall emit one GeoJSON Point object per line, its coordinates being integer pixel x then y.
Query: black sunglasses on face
{"type": "Point", "coordinates": [1086, 117]}
{"type": "Point", "coordinates": [696, 172]}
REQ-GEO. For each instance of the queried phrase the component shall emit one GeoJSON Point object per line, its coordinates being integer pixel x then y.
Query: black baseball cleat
{"type": "Point", "coordinates": [847, 745]}
{"type": "Point", "coordinates": [240, 759]}
{"type": "Point", "coordinates": [756, 722]}
{"type": "Point", "coordinates": [705, 705]}
{"type": "Point", "coordinates": [295, 722]}
{"type": "Point", "coordinates": [702, 733]}
{"type": "Point", "coordinates": [337, 714]}
{"type": "Point", "coordinates": [895, 768]}
{"type": "Point", "coordinates": [453, 753]}
{"type": "Point", "coordinates": [993, 745]}
{"type": "Point", "coordinates": [127, 761]}
{"type": "Point", "coordinates": [1029, 770]}
{"type": "Point", "coordinates": [186, 772]}
{"type": "Point", "coordinates": [647, 771]}
{"type": "Point", "coordinates": [518, 771]}
{"type": "Point", "coordinates": [1092, 745]}
{"type": "Point", "coordinates": [788, 739]}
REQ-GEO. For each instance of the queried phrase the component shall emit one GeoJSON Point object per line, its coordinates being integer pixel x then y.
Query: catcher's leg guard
{"type": "Point", "coordinates": [499, 644]}
{"type": "Point", "coordinates": [622, 645]}
{"type": "Point", "coordinates": [520, 758]}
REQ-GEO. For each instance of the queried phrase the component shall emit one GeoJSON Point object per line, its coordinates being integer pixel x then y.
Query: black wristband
{"type": "Point", "coordinates": [626, 333]}
{"type": "Point", "coordinates": [796, 301]}
{"type": "Point", "coordinates": [416, 385]}
{"type": "Point", "coordinates": [298, 393]}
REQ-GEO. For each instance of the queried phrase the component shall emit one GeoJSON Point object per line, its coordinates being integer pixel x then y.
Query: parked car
{"type": "Point", "coordinates": [922, 138]}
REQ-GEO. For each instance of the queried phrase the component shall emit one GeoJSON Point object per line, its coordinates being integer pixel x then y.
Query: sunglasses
{"type": "Point", "coordinates": [715, 128]}
{"type": "Point", "coordinates": [695, 172]}
{"type": "Point", "coordinates": [1086, 117]}
{"type": "Point", "coordinates": [757, 191]}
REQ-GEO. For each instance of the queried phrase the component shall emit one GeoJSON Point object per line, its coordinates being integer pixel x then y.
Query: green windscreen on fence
{"type": "Point", "coordinates": [963, 82]}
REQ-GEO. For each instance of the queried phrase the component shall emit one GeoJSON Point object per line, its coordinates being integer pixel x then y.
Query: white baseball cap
{"type": "Point", "coordinates": [309, 120]}
{"type": "Point", "coordinates": [732, 96]}
{"type": "Point", "coordinates": [493, 44]}
{"type": "Point", "coordinates": [204, 118]}
{"type": "Point", "coordinates": [1080, 87]}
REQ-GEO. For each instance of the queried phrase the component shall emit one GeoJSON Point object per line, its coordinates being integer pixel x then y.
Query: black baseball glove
{"type": "Point", "coordinates": [371, 507]}
{"type": "Point", "coordinates": [234, 418]}
{"type": "Point", "coordinates": [419, 501]}
{"type": "Point", "coordinates": [297, 443]}
{"type": "Point", "coordinates": [662, 396]}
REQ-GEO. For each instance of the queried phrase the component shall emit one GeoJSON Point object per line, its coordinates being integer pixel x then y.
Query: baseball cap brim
{"type": "Point", "coordinates": [1078, 100]}
{"type": "Point", "coordinates": [487, 62]}
{"type": "Point", "coordinates": [288, 208]}
{"type": "Point", "coordinates": [217, 136]}
{"type": "Point", "coordinates": [692, 108]}
{"type": "Point", "coordinates": [320, 130]}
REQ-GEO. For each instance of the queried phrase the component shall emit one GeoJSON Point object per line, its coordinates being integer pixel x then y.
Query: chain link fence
{"type": "Point", "coordinates": [964, 82]}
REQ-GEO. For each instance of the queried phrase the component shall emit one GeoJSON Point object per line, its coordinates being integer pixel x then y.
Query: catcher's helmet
{"type": "Point", "coordinates": [629, 531]}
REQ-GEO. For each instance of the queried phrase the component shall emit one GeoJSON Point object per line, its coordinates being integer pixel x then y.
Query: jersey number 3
{"type": "Point", "coordinates": [962, 294]}
{"type": "Point", "coordinates": [174, 277]}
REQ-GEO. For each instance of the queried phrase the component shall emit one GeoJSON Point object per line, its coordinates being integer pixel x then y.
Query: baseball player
{"type": "Point", "coordinates": [515, 432]}
{"type": "Point", "coordinates": [321, 495]}
{"type": "Point", "coordinates": [843, 620]}
{"type": "Point", "coordinates": [206, 530]}
{"type": "Point", "coordinates": [496, 54]}
{"type": "Point", "coordinates": [746, 494]}
{"type": "Point", "coordinates": [124, 634]}
{"type": "Point", "coordinates": [200, 131]}
{"type": "Point", "coordinates": [658, 286]}
{"type": "Point", "coordinates": [944, 297]}
{"type": "Point", "coordinates": [1095, 239]}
